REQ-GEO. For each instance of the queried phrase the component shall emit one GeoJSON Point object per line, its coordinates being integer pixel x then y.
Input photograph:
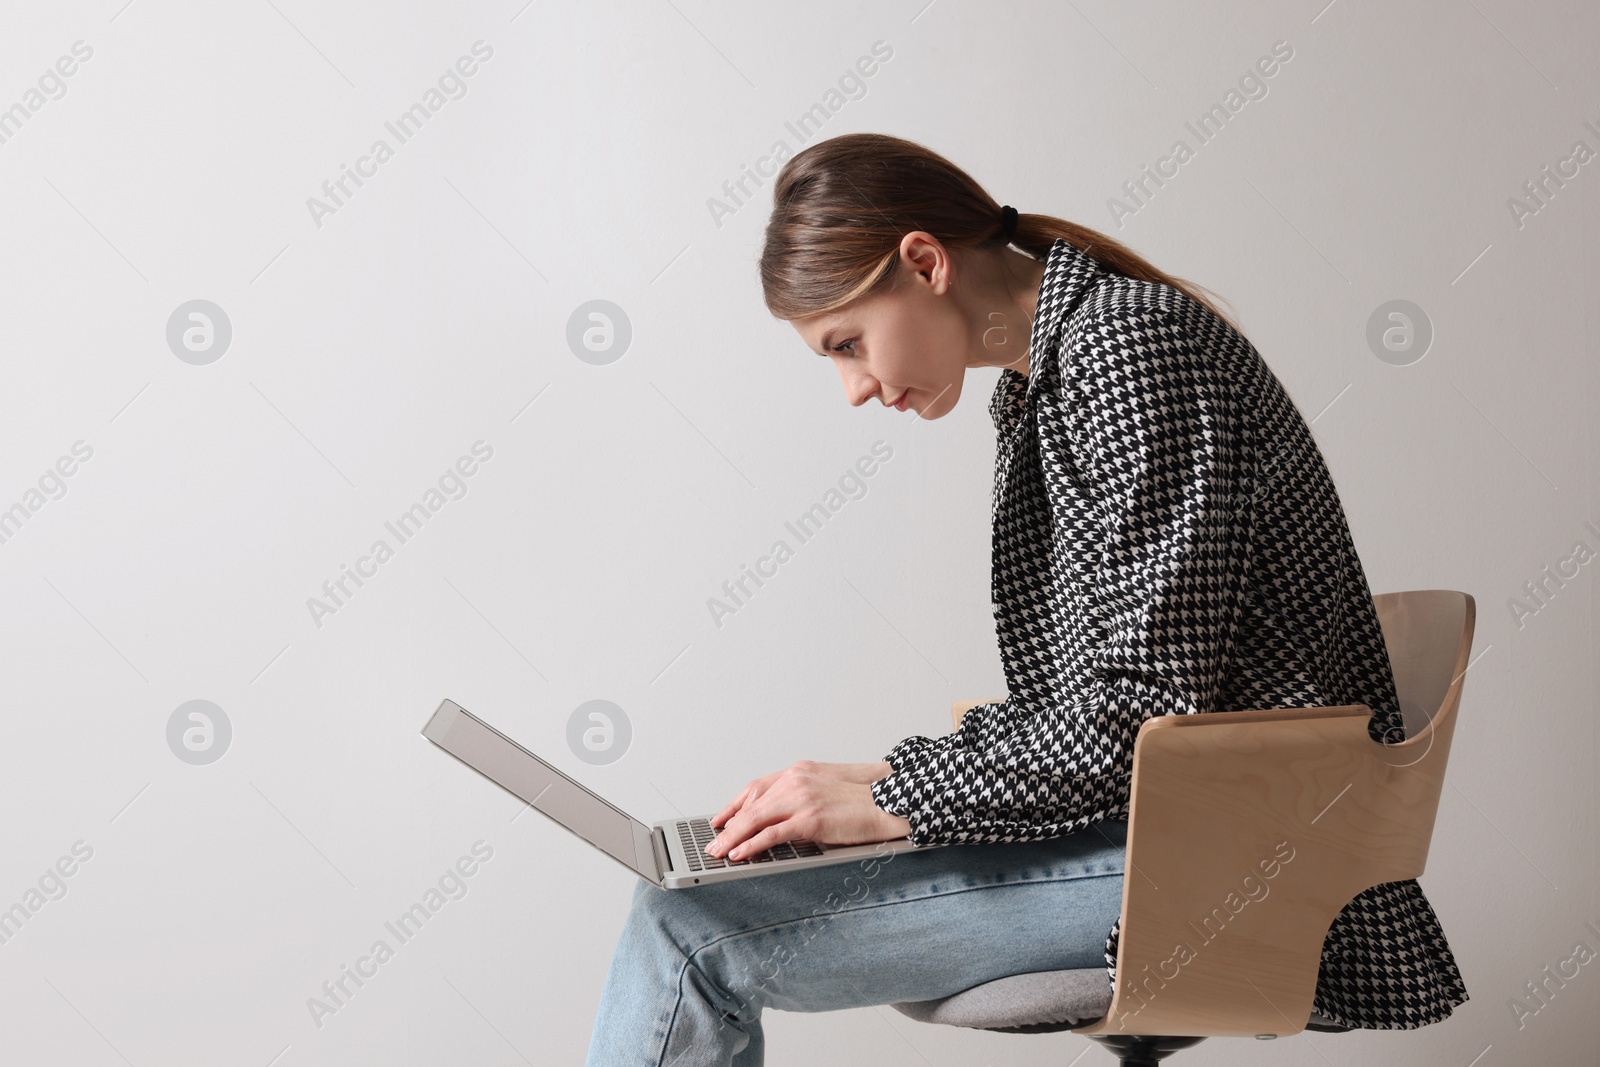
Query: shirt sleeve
{"type": "Point", "coordinates": [1149, 425]}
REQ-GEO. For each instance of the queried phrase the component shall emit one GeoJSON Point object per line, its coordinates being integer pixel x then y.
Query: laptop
{"type": "Point", "coordinates": [670, 853]}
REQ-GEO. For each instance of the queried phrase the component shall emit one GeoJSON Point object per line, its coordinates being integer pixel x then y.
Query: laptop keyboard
{"type": "Point", "coordinates": [696, 834]}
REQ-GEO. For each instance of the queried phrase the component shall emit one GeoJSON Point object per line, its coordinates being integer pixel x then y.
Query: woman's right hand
{"type": "Point", "coordinates": [859, 773]}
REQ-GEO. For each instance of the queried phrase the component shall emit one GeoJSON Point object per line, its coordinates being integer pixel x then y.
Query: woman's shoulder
{"type": "Point", "coordinates": [1131, 348]}
{"type": "Point", "coordinates": [1116, 300]}
{"type": "Point", "coordinates": [1122, 320]}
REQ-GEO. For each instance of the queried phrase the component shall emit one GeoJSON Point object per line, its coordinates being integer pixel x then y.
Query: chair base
{"type": "Point", "coordinates": [1140, 1050]}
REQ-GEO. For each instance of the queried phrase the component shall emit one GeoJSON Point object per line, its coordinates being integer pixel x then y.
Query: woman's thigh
{"type": "Point", "coordinates": [911, 926]}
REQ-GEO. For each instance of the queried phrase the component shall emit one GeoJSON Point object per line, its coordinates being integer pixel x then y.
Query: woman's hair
{"type": "Point", "coordinates": [840, 207]}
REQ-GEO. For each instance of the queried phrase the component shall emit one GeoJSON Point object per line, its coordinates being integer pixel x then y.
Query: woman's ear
{"type": "Point", "coordinates": [924, 259]}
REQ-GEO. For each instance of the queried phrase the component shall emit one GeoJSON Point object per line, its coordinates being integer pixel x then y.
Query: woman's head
{"type": "Point", "coordinates": [897, 259]}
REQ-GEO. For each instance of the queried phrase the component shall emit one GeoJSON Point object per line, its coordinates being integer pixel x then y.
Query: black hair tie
{"type": "Point", "coordinates": [1008, 222]}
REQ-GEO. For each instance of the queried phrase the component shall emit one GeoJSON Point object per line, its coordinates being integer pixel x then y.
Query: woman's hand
{"type": "Point", "coordinates": [830, 803]}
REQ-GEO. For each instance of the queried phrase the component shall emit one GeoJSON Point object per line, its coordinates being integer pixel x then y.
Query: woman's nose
{"type": "Point", "coordinates": [858, 387]}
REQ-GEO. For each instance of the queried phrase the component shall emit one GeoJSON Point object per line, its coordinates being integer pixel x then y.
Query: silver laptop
{"type": "Point", "coordinates": [670, 853]}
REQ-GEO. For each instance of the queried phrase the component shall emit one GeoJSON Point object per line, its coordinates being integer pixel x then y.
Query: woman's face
{"type": "Point", "coordinates": [912, 341]}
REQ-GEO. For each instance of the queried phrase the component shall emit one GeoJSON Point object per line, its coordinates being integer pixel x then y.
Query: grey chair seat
{"type": "Point", "coordinates": [1033, 1003]}
{"type": "Point", "coordinates": [1036, 1002]}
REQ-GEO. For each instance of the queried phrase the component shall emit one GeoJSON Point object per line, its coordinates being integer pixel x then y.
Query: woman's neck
{"type": "Point", "coordinates": [1007, 302]}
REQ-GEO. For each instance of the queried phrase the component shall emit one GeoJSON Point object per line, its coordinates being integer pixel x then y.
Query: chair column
{"type": "Point", "coordinates": [1142, 1050]}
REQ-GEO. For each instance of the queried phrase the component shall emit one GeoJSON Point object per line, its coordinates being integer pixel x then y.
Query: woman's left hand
{"type": "Point", "coordinates": [803, 802]}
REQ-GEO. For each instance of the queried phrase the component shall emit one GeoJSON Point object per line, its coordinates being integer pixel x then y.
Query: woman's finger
{"type": "Point", "coordinates": [773, 834]}
{"type": "Point", "coordinates": [732, 807]}
{"type": "Point", "coordinates": [754, 821]}
{"type": "Point", "coordinates": [750, 792]}
{"type": "Point", "coordinates": [737, 828]}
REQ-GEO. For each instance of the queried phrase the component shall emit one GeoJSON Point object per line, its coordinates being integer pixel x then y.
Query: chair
{"type": "Point", "coordinates": [1213, 797]}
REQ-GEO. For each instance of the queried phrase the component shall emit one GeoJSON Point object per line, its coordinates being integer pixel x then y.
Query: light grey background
{"type": "Point", "coordinates": [431, 311]}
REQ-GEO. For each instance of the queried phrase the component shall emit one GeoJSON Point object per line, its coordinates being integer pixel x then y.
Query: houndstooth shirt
{"type": "Point", "coordinates": [1167, 541]}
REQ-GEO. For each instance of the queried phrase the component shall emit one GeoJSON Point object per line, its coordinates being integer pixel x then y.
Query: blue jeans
{"type": "Point", "coordinates": [695, 967]}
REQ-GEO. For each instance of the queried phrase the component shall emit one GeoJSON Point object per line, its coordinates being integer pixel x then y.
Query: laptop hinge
{"type": "Point", "coordinates": [658, 842]}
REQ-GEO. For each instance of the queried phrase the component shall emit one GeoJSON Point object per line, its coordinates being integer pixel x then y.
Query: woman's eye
{"type": "Point", "coordinates": [840, 346]}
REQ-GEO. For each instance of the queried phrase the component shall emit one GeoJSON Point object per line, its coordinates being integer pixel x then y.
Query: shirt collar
{"type": "Point", "coordinates": [1068, 274]}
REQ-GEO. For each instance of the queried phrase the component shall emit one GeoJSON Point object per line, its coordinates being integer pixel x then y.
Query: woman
{"type": "Point", "coordinates": [1167, 541]}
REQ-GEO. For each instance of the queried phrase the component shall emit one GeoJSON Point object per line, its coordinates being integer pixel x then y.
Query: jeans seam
{"type": "Point", "coordinates": [677, 1007]}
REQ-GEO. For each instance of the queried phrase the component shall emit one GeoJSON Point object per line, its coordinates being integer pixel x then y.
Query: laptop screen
{"type": "Point", "coordinates": [503, 761]}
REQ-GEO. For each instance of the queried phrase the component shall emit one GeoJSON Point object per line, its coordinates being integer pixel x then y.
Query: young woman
{"type": "Point", "coordinates": [1167, 541]}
